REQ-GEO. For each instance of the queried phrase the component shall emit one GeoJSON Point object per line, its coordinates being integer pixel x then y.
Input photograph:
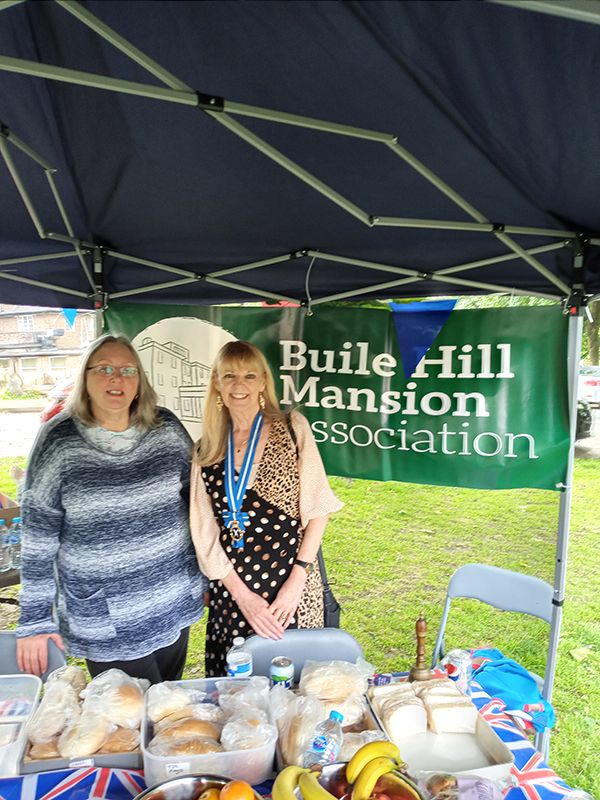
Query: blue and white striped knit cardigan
{"type": "Point", "coordinates": [106, 542]}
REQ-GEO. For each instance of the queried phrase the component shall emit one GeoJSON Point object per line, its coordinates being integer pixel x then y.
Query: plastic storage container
{"type": "Point", "coordinates": [253, 766]}
{"type": "Point", "coordinates": [19, 695]}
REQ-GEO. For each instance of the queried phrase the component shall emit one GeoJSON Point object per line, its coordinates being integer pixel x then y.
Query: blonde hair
{"type": "Point", "coordinates": [215, 422]}
{"type": "Point", "coordinates": [142, 411]}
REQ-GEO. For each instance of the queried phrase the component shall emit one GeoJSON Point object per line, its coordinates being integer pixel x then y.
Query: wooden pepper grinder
{"type": "Point", "coordinates": [420, 671]}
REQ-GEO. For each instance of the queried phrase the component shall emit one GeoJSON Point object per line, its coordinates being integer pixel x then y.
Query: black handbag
{"type": "Point", "coordinates": [331, 606]}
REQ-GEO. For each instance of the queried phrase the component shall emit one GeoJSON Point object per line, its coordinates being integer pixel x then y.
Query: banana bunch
{"type": "Point", "coordinates": [373, 761]}
{"type": "Point", "coordinates": [368, 764]}
{"type": "Point", "coordinates": [286, 782]}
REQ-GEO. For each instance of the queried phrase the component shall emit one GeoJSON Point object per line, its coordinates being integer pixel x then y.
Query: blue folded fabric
{"type": "Point", "coordinates": [506, 679]}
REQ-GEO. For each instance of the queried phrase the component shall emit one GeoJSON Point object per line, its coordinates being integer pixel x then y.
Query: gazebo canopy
{"type": "Point", "coordinates": [187, 152]}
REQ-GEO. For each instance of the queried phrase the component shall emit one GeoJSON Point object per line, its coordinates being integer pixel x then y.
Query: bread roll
{"type": "Point", "coordinates": [85, 737]}
{"type": "Point", "coordinates": [329, 683]}
{"type": "Point", "coordinates": [166, 698]}
{"type": "Point", "coordinates": [185, 728]}
{"type": "Point", "coordinates": [70, 674]}
{"type": "Point", "coordinates": [123, 740]}
{"type": "Point", "coordinates": [183, 747]}
{"type": "Point", "coordinates": [44, 750]}
{"type": "Point", "coordinates": [58, 707]}
{"type": "Point", "coordinates": [124, 706]}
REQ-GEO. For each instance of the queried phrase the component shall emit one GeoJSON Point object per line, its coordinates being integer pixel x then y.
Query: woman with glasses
{"type": "Point", "coordinates": [108, 568]}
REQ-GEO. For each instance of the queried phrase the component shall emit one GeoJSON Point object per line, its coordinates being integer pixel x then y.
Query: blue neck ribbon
{"type": "Point", "coordinates": [235, 487]}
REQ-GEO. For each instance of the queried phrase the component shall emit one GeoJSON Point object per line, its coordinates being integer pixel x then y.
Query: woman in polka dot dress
{"type": "Point", "coordinates": [272, 582]}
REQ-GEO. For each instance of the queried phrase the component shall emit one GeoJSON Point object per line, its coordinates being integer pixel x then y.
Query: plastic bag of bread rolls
{"type": "Point", "coordinates": [166, 698]}
{"type": "Point", "coordinates": [189, 746]}
{"type": "Point", "coordinates": [335, 680]}
{"type": "Point", "coordinates": [70, 674]}
{"type": "Point", "coordinates": [244, 735]}
{"type": "Point", "coordinates": [296, 727]}
{"type": "Point", "coordinates": [57, 707]}
{"type": "Point", "coordinates": [116, 696]}
{"type": "Point", "coordinates": [253, 693]}
{"type": "Point", "coordinates": [205, 711]}
{"type": "Point", "coordinates": [353, 709]}
{"type": "Point", "coordinates": [85, 737]}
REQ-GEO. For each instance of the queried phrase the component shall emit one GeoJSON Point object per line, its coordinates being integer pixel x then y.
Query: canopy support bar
{"type": "Point", "coordinates": [69, 227]}
{"type": "Point", "coordinates": [290, 166]}
{"type": "Point", "coordinates": [21, 188]}
{"type": "Point", "coordinates": [42, 285]}
{"type": "Point", "coordinates": [6, 133]}
{"type": "Point", "coordinates": [484, 227]}
{"type": "Point", "coordinates": [26, 259]}
{"type": "Point", "coordinates": [153, 288]}
{"type": "Point", "coordinates": [533, 261]}
{"type": "Point", "coordinates": [123, 45]}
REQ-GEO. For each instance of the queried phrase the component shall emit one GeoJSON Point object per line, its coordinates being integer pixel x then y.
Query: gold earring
{"type": "Point", "coordinates": [219, 403]}
{"type": "Point", "coordinates": [261, 401]}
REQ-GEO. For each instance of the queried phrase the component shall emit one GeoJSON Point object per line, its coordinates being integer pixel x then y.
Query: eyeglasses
{"type": "Point", "coordinates": [106, 370]}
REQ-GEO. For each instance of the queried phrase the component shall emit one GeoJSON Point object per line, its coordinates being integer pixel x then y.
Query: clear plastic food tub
{"type": "Point", "coordinates": [19, 695]}
{"type": "Point", "coordinates": [253, 766]}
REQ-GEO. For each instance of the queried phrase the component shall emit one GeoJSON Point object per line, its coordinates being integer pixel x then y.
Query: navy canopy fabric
{"type": "Point", "coordinates": [499, 102]}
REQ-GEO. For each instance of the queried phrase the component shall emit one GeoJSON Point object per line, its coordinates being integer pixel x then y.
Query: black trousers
{"type": "Point", "coordinates": [165, 664]}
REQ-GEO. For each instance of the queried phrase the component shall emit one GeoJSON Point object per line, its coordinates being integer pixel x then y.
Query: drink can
{"type": "Point", "coordinates": [281, 672]}
{"type": "Point", "coordinates": [459, 666]}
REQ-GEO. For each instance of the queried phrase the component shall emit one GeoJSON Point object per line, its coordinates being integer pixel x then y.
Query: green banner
{"type": "Point", "coordinates": [485, 408]}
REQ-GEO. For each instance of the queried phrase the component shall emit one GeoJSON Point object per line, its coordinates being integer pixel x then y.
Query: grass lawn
{"type": "Point", "coordinates": [391, 550]}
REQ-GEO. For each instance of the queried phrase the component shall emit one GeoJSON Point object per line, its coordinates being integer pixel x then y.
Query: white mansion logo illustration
{"type": "Point", "coordinates": [180, 383]}
{"type": "Point", "coordinates": [177, 354]}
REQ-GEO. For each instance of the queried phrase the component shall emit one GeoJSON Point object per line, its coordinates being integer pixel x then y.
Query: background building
{"type": "Point", "coordinates": [40, 345]}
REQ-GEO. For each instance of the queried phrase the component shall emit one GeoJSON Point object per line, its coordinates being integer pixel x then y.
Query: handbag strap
{"type": "Point", "coordinates": [290, 427]}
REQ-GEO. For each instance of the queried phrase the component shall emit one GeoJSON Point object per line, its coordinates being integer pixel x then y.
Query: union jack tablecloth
{"type": "Point", "coordinates": [533, 778]}
{"type": "Point", "coordinates": [74, 784]}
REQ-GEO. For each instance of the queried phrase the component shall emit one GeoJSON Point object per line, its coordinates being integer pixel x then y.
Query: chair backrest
{"type": "Point", "coordinates": [8, 656]}
{"type": "Point", "coordinates": [501, 588]}
{"type": "Point", "coordinates": [302, 644]}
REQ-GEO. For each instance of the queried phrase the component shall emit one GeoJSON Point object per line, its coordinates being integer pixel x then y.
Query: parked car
{"type": "Point", "coordinates": [589, 385]}
{"type": "Point", "coordinates": [585, 419]}
{"type": "Point", "coordinates": [56, 399]}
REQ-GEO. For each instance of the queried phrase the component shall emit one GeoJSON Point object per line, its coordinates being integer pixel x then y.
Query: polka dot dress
{"type": "Point", "coordinates": [271, 542]}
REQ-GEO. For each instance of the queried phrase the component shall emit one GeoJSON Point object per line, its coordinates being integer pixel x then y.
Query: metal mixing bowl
{"type": "Point", "coordinates": [189, 787]}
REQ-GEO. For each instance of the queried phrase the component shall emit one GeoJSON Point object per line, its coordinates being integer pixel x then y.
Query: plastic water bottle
{"type": "Point", "coordinates": [326, 741]}
{"type": "Point", "coordinates": [4, 547]}
{"type": "Point", "coordinates": [239, 659]}
{"type": "Point", "coordinates": [15, 544]}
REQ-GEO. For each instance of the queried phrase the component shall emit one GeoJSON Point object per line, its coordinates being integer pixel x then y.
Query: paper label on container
{"type": "Point", "coordinates": [81, 763]}
{"type": "Point", "coordinates": [179, 768]}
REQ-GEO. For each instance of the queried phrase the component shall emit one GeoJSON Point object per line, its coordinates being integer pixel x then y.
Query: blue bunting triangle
{"type": "Point", "coordinates": [69, 314]}
{"type": "Point", "coordinates": [417, 325]}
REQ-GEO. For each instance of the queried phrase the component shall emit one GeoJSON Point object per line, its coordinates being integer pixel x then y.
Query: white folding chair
{"type": "Point", "coordinates": [8, 656]}
{"type": "Point", "coordinates": [317, 644]}
{"type": "Point", "coordinates": [509, 591]}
